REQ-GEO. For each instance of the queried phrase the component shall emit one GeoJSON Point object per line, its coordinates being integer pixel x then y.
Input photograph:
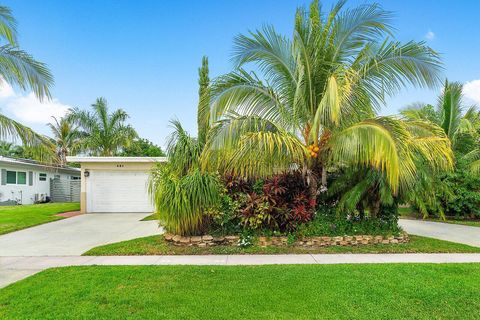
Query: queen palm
{"type": "Point", "coordinates": [20, 69]}
{"type": "Point", "coordinates": [104, 133]}
{"type": "Point", "coordinates": [66, 138]}
{"type": "Point", "coordinates": [314, 104]}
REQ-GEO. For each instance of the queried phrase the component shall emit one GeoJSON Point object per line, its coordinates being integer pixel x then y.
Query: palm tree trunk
{"type": "Point", "coordinates": [312, 183]}
{"type": "Point", "coordinates": [324, 176]}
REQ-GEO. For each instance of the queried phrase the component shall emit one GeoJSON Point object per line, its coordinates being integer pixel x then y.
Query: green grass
{"type": "Point", "coordinates": [13, 218]}
{"type": "Point", "coordinates": [150, 217]}
{"type": "Point", "coordinates": [156, 245]}
{"type": "Point", "coordinates": [388, 291]}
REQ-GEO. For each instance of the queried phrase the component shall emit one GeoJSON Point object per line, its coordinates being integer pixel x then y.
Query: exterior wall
{"type": "Point", "coordinates": [25, 194]}
{"type": "Point", "coordinates": [106, 166]}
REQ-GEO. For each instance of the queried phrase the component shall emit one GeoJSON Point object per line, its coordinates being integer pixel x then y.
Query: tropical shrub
{"type": "Point", "coordinates": [327, 224]}
{"type": "Point", "coordinates": [278, 203]}
{"type": "Point", "coordinates": [224, 218]}
{"type": "Point", "coordinates": [182, 193]}
{"type": "Point", "coordinates": [465, 189]}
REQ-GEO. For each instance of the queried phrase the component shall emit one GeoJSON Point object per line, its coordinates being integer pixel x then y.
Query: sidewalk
{"type": "Point", "coordinates": [16, 268]}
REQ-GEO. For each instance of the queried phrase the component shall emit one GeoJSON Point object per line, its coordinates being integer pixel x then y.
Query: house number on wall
{"type": "Point", "coordinates": [120, 166]}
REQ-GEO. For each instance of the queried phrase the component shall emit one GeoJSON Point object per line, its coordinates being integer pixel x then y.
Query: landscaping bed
{"type": "Point", "coordinates": [282, 241]}
{"type": "Point", "coordinates": [156, 245]}
{"type": "Point", "coordinates": [13, 218]}
{"type": "Point", "coordinates": [390, 291]}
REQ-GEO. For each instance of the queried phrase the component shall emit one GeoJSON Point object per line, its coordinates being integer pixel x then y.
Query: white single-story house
{"type": "Point", "coordinates": [26, 181]}
{"type": "Point", "coordinates": [115, 184]}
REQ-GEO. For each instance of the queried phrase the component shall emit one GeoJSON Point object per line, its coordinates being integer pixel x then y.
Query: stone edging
{"type": "Point", "coordinates": [309, 242]}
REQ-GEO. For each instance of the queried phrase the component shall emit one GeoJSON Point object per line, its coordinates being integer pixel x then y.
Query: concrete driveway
{"type": "Point", "coordinates": [74, 236]}
{"type": "Point", "coordinates": [443, 231]}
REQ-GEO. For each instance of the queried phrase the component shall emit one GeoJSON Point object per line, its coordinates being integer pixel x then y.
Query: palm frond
{"type": "Point", "coordinates": [20, 68]}
{"type": "Point", "coordinates": [8, 26]}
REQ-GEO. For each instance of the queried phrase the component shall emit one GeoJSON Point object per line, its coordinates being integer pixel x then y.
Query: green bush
{"type": "Point", "coordinates": [328, 224]}
{"type": "Point", "coordinates": [465, 186]}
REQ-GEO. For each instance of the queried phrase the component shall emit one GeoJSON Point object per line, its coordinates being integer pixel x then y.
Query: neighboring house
{"type": "Point", "coordinates": [115, 184]}
{"type": "Point", "coordinates": [26, 181]}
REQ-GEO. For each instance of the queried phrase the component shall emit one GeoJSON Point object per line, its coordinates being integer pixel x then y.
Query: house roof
{"type": "Point", "coordinates": [116, 159]}
{"type": "Point", "coordinates": [37, 164]}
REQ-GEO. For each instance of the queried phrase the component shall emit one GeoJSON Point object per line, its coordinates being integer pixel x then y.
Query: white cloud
{"type": "Point", "coordinates": [430, 35]}
{"type": "Point", "coordinates": [27, 108]}
{"type": "Point", "coordinates": [6, 90]}
{"type": "Point", "coordinates": [471, 91]}
{"type": "Point", "coordinates": [30, 110]}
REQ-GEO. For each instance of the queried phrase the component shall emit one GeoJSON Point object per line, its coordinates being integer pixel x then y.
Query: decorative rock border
{"type": "Point", "coordinates": [308, 242]}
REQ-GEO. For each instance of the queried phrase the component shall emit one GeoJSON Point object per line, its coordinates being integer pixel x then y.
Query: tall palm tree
{"type": "Point", "coordinates": [66, 138]}
{"type": "Point", "coordinates": [315, 103]}
{"type": "Point", "coordinates": [20, 69]}
{"type": "Point", "coordinates": [104, 133]}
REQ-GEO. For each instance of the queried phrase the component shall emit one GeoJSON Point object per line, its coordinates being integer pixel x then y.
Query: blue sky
{"type": "Point", "coordinates": [143, 55]}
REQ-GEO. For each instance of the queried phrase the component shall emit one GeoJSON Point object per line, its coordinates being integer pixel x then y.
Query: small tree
{"type": "Point", "coordinates": [142, 148]}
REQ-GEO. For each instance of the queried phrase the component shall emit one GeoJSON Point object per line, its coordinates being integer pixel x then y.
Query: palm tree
{"type": "Point", "coordinates": [314, 105]}
{"type": "Point", "coordinates": [181, 191]}
{"type": "Point", "coordinates": [450, 114]}
{"type": "Point", "coordinates": [66, 138]}
{"type": "Point", "coordinates": [104, 133]}
{"type": "Point", "coordinates": [19, 68]}
{"type": "Point", "coordinates": [8, 149]}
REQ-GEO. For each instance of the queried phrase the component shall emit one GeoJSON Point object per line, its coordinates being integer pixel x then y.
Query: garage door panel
{"type": "Point", "coordinates": [118, 191]}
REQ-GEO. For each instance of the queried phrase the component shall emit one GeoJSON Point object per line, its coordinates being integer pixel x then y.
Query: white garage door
{"type": "Point", "coordinates": [118, 191]}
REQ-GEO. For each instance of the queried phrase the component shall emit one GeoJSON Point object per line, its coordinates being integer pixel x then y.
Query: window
{"type": "Point", "coordinates": [74, 178]}
{"type": "Point", "coordinates": [42, 177]}
{"type": "Point", "coordinates": [14, 177]}
{"type": "Point", "coordinates": [11, 177]}
{"type": "Point", "coordinates": [21, 177]}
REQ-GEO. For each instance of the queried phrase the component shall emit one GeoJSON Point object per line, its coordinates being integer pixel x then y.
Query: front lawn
{"type": "Point", "coordinates": [156, 245]}
{"type": "Point", "coordinates": [389, 291]}
{"type": "Point", "coordinates": [13, 218]}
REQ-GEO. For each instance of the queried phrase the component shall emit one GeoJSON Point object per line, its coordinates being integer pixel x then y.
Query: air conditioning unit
{"type": "Point", "coordinates": [39, 198]}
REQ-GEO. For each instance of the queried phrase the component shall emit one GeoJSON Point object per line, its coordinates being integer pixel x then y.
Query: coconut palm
{"type": "Point", "coordinates": [20, 69]}
{"type": "Point", "coordinates": [104, 133]}
{"type": "Point", "coordinates": [314, 104]}
{"type": "Point", "coordinates": [181, 191]}
{"type": "Point", "coordinates": [66, 138]}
